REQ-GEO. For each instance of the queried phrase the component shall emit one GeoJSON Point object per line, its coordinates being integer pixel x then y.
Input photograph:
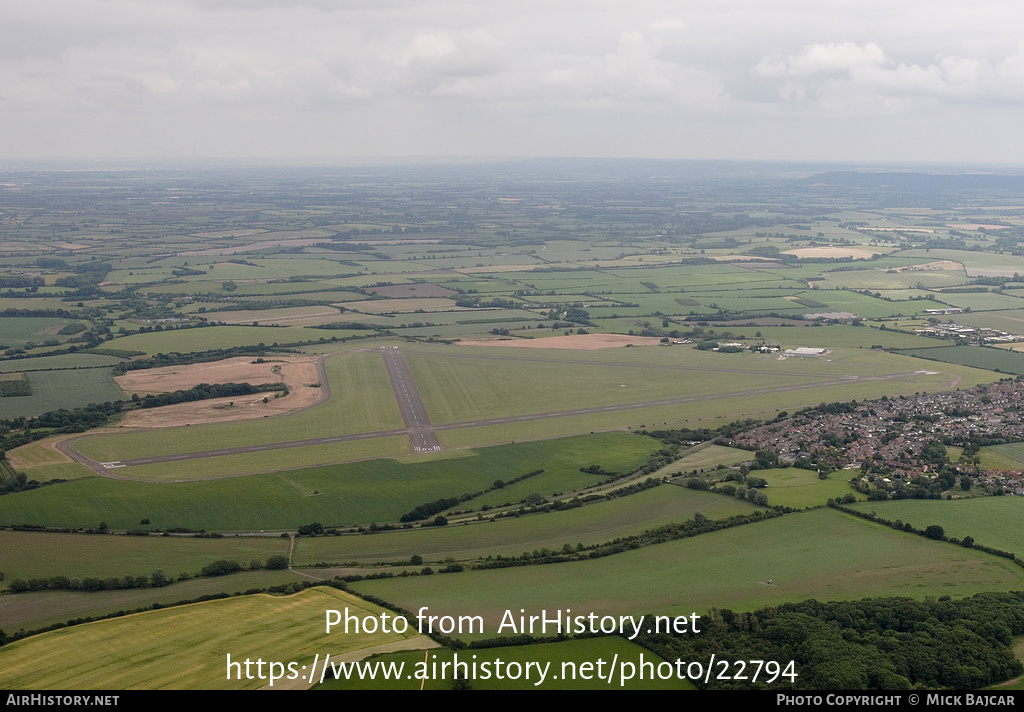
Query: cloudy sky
{"type": "Point", "coordinates": [921, 80]}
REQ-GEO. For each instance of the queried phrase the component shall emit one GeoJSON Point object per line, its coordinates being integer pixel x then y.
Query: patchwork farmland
{"type": "Point", "coordinates": [539, 404]}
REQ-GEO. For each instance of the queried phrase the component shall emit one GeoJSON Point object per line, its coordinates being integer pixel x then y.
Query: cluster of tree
{"type": "Point", "coordinates": [265, 304]}
{"type": "Point", "coordinates": [881, 643]}
{"type": "Point", "coordinates": [157, 579]}
{"type": "Point", "coordinates": [293, 587]}
{"type": "Point", "coordinates": [829, 409]}
{"type": "Point", "coordinates": [87, 276]}
{"type": "Point", "coordinates": [919, 487]}
{"type": "Point", "coordinates": [659, 535]}
{"type": "Point", "coordinates": [596, 470]}
{"type": "Point", "coordinates": [358, 325]}
{"type": "Point", "coordinates": [534, 503]}
{"type": "Point", "coordinates": [932, 531]}
{"type": "Point", "coordinates": [180, 359]}
{"type": "Point", "coordinates": [206, 391]}
{"type": "Point", "coordinates": [11, 481]}
{"type": "Point", "coordinates": [49, 313]}
{"type": "Point", "coordinates": [688, 436]}
{"type": "Point", "coordinates": [221, 567]}
{"type": "Point", "coordinates": [21, 431]}
{"type": "Point", "coordinates": [750, 494]}
{"type": "Point", "coordinates": [15, 388]}
{"type": "Point", "coordinates": [72, 329]}
{"type": "Point", "coordinates": [477, 301]}
{"type": "Point", "coordinates": [88, 584]}
{"type": "Point", "coordinates": [17, 281]}
{"type": "Point", "coordinates": [424, 511]}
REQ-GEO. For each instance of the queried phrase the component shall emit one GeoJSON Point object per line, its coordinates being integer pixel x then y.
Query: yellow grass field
{"type": "Point", "coordinates": [581, 342]}
{"type": "Point", "coordinates": [404, 306]}
{"type": "Point", "coordinates": [853, 252]}
{"type": "Point", "coordinates": [295, 316]}
{"type": "Point", "coordinates": [187, 647]}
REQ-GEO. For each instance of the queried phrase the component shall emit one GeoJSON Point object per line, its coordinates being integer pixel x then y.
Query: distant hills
{"type": "Point", "coordinates": [918, 182]}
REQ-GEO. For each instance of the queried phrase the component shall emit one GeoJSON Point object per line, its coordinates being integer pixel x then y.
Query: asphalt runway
{"type": "Point", "coordinates": [414, 413]}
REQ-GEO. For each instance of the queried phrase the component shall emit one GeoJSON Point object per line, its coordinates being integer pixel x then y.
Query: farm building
{"type": "Point", "coordinates": [806, 352]}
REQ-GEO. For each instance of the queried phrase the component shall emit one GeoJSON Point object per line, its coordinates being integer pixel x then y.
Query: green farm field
{"type": "Point", "coordinates": [1009, 320]}
{"type": "Point", "coordinates": [17, 331]}
{"type": "Point", "coordinates": [991, 521]}
{"type": "Point", "coordinates": [65, 361]}
{"type": "Point", "coordinates": [278, 460]}
{"type": "Point", "coordinates": [877, 279]}
{"type": "Point", "coordinates": [37, 302]}
{"type": "Point", "coordinates": [488, 384]}
{"type": "Point", "coordinates": [717, 409]}
{"type": "Point", "coordinates": [977, 263]}
{"type": "Point", "coordinates": [1001, 360]}
{"type": "Point", "coordinates": [41, 554]}
{"type": "Point", "coordinates": [36, 610]}
{"type": "Point", "coordinates": [293, 316]}
{"type": "Point", "coordinates": [57, 471]}
{"type": "Point", "coordinates": [705, 457]}
{"type": "Point", "coordinates": [53, 390]}
{"type": "Point", "coordinates": [1003, 457]}
{"type": "Point", "coordinates": [40, 453]}
{"type": "Point", "coordinates": [467, 331]}
{"type": "Point", "coordinates": [592, 524]}
{"type": "Point", "coordinates": [572, 653]}
{"type": "Point", "coordinates": [186, 647]}
{"type": "Point", "coordinates": [212, 337]}
{"type": "Point", "coordinates": [796, 488]}
{"type": "Point", "coordinates": [806, 555]}
{"type": "Point", "coordinates": [983, 301]}
{"type": "Point", "coordinates": [834, 336]}
{"type": "Point", "coordinates": [856, 303]}
{"type": "Point", "coordinates": [429, 257]}
{"type": "Point", "coordinates": [354, 493]}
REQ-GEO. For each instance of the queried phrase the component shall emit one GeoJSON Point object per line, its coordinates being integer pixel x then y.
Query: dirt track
{"type": "Point", "coordinates": [298, 372]}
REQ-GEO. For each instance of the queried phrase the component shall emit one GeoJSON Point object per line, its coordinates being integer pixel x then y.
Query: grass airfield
{"type": "Point", "coordinates": [394, 264]}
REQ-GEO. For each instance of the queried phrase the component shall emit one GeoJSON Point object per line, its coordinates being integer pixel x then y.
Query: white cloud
{"type": "Point", "coordinates": [843, 75]}
{"type": "Point", "coordinates": [399, 69]}
{"type": "Point", "coordinates": [667, 25]}
{"type": "Point", "coordinates": [823, 59]}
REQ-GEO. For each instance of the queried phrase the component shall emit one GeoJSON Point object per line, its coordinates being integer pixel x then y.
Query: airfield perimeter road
{"type": "Point", "coordinates": [414, 413]}
{"type": "Point", "coordinates": [105, 468]}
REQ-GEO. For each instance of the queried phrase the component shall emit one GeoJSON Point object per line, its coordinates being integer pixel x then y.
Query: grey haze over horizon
{"type": "Point", "coordinates": [356, 81]}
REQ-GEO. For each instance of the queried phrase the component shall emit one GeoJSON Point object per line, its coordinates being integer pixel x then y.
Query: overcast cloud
{"type": "Point", "coordinates": [786, 79]}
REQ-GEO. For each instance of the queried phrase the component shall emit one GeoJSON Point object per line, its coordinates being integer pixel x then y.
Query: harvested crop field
{"type": "Point", "coordinates": [832, 252]}
{"type": "Point", "coordinates": [389, 306]}
{"type": "Point", "coordinates": [297, 372]}
{"type": "Point", "coordinates": [941, 264]}
{"type": "Point", "coordinates": [406, 291]}
{"type": "Point", "coordinates": [185, 647]}
{"type": "Point", "coordinates": [581, 342]}
{"type": "Point", "coordinates": [295, 316]}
